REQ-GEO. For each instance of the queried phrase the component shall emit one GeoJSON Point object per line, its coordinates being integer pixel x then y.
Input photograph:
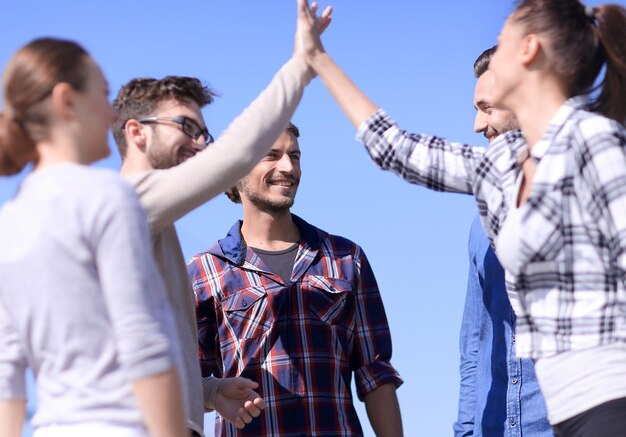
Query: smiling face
{"type": "Point", "coordinates": [167, 144]}
{"type": "Point", "coordinates": [272, 184]}
{"type": "Point", "coordinates": [490, 121]}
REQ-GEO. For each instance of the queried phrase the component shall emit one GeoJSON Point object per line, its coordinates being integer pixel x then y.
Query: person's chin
{"type": "Point", "coordinates": [103, 152]}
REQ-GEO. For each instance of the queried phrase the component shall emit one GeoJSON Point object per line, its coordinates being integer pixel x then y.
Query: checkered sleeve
{"type": "Point", "coordinates": [425, 160]}
{"type": "Point", "coordinates": [372, 346]}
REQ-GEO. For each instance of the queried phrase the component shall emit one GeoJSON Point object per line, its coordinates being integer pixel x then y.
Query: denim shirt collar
{"type": "Point", "coordinates": [233, 247]}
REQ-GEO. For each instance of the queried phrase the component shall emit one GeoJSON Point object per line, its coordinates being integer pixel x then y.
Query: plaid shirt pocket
{"type": "Point", "coordinates": [328, 299]}
{"type": "Point", "coordinates": [247, 312]}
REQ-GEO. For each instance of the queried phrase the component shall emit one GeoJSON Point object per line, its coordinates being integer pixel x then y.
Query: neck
{"type": "Point", "coordinates": [56, 152]}
{"type": "Point", "coordinates": [135, 162]}
{"type": "Point", "coordinates": [269, 231]}
{"type": "Point", "coordinates": [535, 107]}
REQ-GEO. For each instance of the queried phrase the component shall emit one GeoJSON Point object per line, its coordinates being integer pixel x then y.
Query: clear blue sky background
{"type": "Point", "coordinates": [413, 58]}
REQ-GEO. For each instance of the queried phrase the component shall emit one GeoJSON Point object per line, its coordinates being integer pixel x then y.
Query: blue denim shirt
{"type": "Point", "coordinates": [499, 393]}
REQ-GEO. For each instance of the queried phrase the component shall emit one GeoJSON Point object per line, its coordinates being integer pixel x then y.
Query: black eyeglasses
{"type": "Point", "coordinates": [189, 126]}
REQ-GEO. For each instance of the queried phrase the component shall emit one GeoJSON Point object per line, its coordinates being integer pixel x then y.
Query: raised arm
{"type": "Point", "coordinates": [421, 159]}
{"type": "Point", "coordinates": [354, 103]}
{"type": "Point", "coordinates": [169, 194]}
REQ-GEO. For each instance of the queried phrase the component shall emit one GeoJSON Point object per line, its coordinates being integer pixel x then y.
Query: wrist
{"type": "Point", "coordinates": [317, 60]}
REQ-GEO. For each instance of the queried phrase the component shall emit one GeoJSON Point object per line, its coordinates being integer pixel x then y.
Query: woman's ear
{"type": "Point", "coordinates": [531, 48]}
{"type": "Point", "coordinates": [63, 99]}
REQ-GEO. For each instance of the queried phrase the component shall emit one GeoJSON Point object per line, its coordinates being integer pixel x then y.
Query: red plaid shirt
{"type": "Point", "coordinates": [300, 341]}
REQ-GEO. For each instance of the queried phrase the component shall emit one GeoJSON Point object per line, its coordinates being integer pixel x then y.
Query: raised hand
{"type": "Point", "coordinates": [309, 28]}
{"type": "Point", "coordinates": [237, 402]}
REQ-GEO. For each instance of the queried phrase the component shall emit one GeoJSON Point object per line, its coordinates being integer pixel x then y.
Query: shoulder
{"type": "Point", "coordinates": [111, 182]}
{"type": "Point", "coordinates": [341, 246]}
{"type": "Point", "coordinates": [85, 186]}
{"type": "Point", "coordinates": [589, 125]}
{"type": "Point", "coordinates": [207, 262]}
{"type": "Point", "coordinates": [107, 190]}
{"type": "Point", "coordinates": [596, 140]}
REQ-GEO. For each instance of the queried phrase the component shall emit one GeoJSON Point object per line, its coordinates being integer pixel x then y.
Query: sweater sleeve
{"type": "Point", "coordinates": [12, 361]}
{"type": "Point", "coordinates": [169, 194]}
{"type": "Point", "coordinates": [132, 287]}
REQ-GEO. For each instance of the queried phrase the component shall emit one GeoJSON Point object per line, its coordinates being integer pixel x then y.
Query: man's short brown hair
{"type": "Point", "coordinates": [233, 192]}
{"type": "Point", "coordinates": [482, 62]}
{"type": "Point", "coordinates": [141, 96]}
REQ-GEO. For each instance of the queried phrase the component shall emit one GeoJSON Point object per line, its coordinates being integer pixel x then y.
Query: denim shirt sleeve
{"type": "Point", "coordinates": [468, 346]}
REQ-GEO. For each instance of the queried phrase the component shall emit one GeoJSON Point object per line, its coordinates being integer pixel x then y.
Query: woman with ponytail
{"type": "Point", "coordinates": [81, 300]}
{"type": "Point", "coordinates": [552, 198]}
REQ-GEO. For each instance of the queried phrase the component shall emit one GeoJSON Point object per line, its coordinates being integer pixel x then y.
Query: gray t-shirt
{"type": "Point", "coordinates": [81, 300]}
{"type": "Point", "coordinates": [279, 262]}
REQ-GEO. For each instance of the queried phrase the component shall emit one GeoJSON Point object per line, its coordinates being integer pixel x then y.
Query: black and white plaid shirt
{"type": "Point", "coordinates": [571, 286]}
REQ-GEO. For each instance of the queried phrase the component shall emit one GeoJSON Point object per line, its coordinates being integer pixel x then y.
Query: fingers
{"type": "Point", "coordinates": [248, 412]}
{"type": "Point", "coordinates": [239, 423]}
{"type": "Point", "coordinates": [303, 5]}
{"type": "Point", "coordinates": [324, 20]}
{"type": "Point", "coordinates": [252, 409]}
{"type": "Point", "coordinates": [325, 25]}
{"type": "Point", "coordinates": [243, 418]}
{"type": "Point", "coordinates": [259, 402]}
{"type": "Point", "coordinates": [326, 14]}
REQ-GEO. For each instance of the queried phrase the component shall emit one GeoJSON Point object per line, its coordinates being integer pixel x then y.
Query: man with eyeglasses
{"type": "Point", "coordinates": [160, 127]}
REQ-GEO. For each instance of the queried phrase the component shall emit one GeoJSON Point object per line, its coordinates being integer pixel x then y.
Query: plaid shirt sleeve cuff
{"type": "Point", "coordinates": [374, 126]}
{"type": "Point", "coordinates": [373, 375]}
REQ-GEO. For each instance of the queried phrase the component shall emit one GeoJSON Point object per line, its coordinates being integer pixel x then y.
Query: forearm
{"type": "Point", "coordinates": [12, 414]}
{"type": "Point", "coordinates": [383, 411]}
{"type": "Point", "coordinates": [169, 194]}
{"type": "Point", "coordinates": [160, 400]}
{"type": "Point", "coordinates": [354, 103]}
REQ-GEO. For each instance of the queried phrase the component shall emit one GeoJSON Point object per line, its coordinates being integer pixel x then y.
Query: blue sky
{"type": "Point", "coordinates": [412, 58]}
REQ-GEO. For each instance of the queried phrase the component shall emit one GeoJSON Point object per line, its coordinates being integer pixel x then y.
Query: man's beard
{"type": "Point", "coordinates": [511, 125]}
{"type": "Point", "coordinates": [159, 158]}
{"type": "Point", "coordinates": [264, 203]}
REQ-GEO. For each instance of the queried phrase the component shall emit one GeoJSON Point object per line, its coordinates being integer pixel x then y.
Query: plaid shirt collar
{"type": "Point", "coordinates": [234, 249]}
